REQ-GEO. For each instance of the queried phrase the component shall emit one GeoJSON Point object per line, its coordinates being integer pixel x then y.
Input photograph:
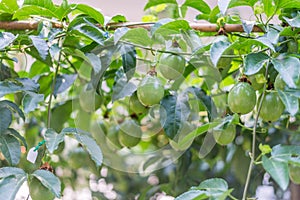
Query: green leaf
{"type": "Point", "coordinates": [9, 6]}
{"type": "Point", "coordinates": [269, 8]}
{"type": "Point", "coordinates": [33, 10]}
{"type": "Point", "coordinates": [192, 39]}
{"type": "Point", "coordinates": [49, 180]}
{"type": "Point", "coordinates": [288, 4]}
{"type": "Point", "coordinates": [278, 171]}
{"type": "Point", "coordinates": [152, 3]}
{"type": "Point", "coordinates": [205, 100]}
{"type": "Point", "coordinates": [122, 87]}
{"type": "Point", "coordinates": [129, 61]}
{"type": "Point", "coordinates": [87, 29]}
{"type": "Point", "coordinates": [174, 111]}
{"type": "Point", "coordinates": [266, 42]}
{"type": "Point", "coordinates": [61, 114]}
{"type": "Point", "coordinates": [5, 119]}
{"type": "Point", "coordinates": [215, 187]}
{"type": "Point", "coordinates": [192, 194]}
{"type": "Point", "coordinates": [293, 22]}
{"type": "Point", "coordinates": [199, 5]}
{"type": "Point", "coordinates": [223, 5]}
{"type": "Point", "coordinates": [9, 186]}
{"type": "Point", "coordinates": [63, 82]}
{"type": "Point", "coordinates": [12, 106]}
{"type": "Point", "coordinates": [217, 49]}
{"type": "Point", "coordinates": [88, 10]}
{"type": "Point", "coordinates": [235, 3]}
{"type": "Point", "coordinates": [17, 85]}
{"type": "Point", "coordinates": [10, 148]}
{"type": "Point", "coordinates": [138, 36]}
{"type": "Point", "coordinates": [94, 61]}
{"type": "Point", "coordinates": [291, 102]}
{"type": "Point", "coordinates": [286, 153]}
{"type": "Point", "coordinates": [11, 171]}
{"type": "Point", "coordinates": [85, 139]}
{"type": "Point", "coordinates": [41, 46]}
{"type": "Point", "coordinates": [254, 62]}
{"type": "Point", "coordinates": [174, 27]}
{"type": "Point", "coordinates": [289, 69]}
{"type": "Point", "coordinates": [17, 135]}
{"type": "Point", "coordinates": [6, 39]}
{"type": "Point", "coordinates": [53, 139]}
{"type": "Point", "coordinates": [31, 101]}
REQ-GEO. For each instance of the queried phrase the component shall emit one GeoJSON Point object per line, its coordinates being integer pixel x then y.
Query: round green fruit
{"type": "Point", "coordinates": [89, 100]}
{"type": "Point", "coordinates": [171, 66]}
{"type": "Point", "coordinates": [279, 83]}
{"type": "Point", "coordinates": [241, 98]}
{"type": "Point", "coordinates": [150, 91]}
{"type": "Point", "coordinates": [112, 138]}
{"type": "Point", "coordinates": [38, 191]}
{"type": "Point", "coordinates": [226, 136]}
{"type": "Point", "coordinates": [135, 105]}
{"type": "Point", "coordinates": [272, 107]}
{"type": "Point", "coordinates": [294, 174]}
{"type": "Point", "coordinates": [130, 133]}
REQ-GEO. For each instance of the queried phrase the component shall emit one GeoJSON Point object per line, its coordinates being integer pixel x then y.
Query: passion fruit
{"type": "Point", "coordinates": [225, 136]}
{"type": "Point", "coordinates": [130, 133]}
{"type": "Point", "coordinates": [272, 106]}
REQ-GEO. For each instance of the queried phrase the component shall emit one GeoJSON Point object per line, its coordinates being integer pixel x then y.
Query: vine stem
{"type": "Point", "coordinates": [252, 154]}
{"type": "Point", "coordinates": [52, 89]}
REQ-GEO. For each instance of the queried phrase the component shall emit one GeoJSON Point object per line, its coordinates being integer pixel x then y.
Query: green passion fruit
{"type": "Point", "coordinates": [241, 98]}
{"type": "Point", "coordinates": [130, 133]}
{"type": "Point", "coordinates": [112, 138]}
{"type": "Point", "coordinates": [272, 107]}
{"type": "Point", "coordinates": [225, 136]}
{"type": "Point", "coordinates": [135, 105]}
{"type": "Point", "coordinates": [150, 91]}
{"type": "Point", "coordinates": [171, 66]}
{"type": "Point", "coordinates": [279, 83]}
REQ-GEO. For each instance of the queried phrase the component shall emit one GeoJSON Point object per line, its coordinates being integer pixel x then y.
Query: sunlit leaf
{"type": "Point", "coordinates": [49, 180]}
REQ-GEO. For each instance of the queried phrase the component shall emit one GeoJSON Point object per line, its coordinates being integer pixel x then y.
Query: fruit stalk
{"type": "Point", "coordinates": [252, 155]}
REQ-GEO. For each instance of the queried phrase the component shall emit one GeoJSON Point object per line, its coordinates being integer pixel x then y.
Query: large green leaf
{"type": "Point", "coordinates": [289, 69]}
{"type": "Point", "coordinates": [266, 42]}
{"type": "Point", "coordinates": [9, 6]}
{"type": "Point", "coordinates": [33, 10]}
{"type": "Point", "coordinates": [41, 46]}
{"type": "Point", "coordinates": [286, 153]}
{"type": "Point", "coordinates": [92, 12]}
{"type": "Point", "coordinates": [199, 5]}
{"type": "Point", "coordinates": [31, 101]}
{"type": "Point", "coordinates": [215, 187]}
{"type": "Point", "coordinates": [152, 3]}
{"type": "Point", "coordinates": [138, 36]}
{"type": "Point", "coordinates": [174, 111]}
{"type": "Point", "coordinates": [205, 100]}
{"type": "Point", "coordinates": [293, 22]}
{"type": "Point", "coordinates": [10, 185]}
{"type": "Point", "coordinates": [5, 119]}
{"type": "Point", "coordinates": [6, 39]}
{"type": "Point", "coordinates": [218, 48]}
{"type": "Point", "coordinates": [288, 4]}
{"type": "Point", "coordinates": [10, 148]}
{"type": "Point", "coordinates": [269, 8]}
{"type": "Point", "coordinates": [223, 5]}
{"type": "Point", "coordinates": [12, 106]}
{"type": "Point", "coordinates": [53, 139]}
{"type": "Point", "coordinates": [11, 171]}
{"type": "Point", "coordinates": [192, 194]}
{"type": "Point", "coordinates": [122, 86]}
{"type": "Point", "coordinates": [291, 102]}
{"type": "Point", "coordinates": [86, 140]}
{"type": "Point", "coordinates": [254, 62]}
{"type": "Point", "coordinates": [192, 39]}
{"type": "Point", "coordinates": [235, 3]}
{"type": "Point", "coordinates": [168, 29]}
{"type": "Point", "coordinates": [17, 135]}
{"type": "Point", "coordinates": [63, 82]}
{"type": "Point", "coordinates": [17, 85]}
{"type": "Point", "coordinates": [94, 61]}
{"type": "Point", "coordinates": [129, 61]}
{"type": "Point", "coordinates": [278, 171]}
{"type": "Point", "coordinates": [49, 180]}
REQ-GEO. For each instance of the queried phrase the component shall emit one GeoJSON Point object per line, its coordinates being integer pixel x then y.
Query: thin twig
{"type": "Point", "coordinates": [252, 156]}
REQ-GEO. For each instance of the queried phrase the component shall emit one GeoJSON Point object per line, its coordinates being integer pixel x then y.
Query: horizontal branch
{"type": "Point", "coordinates": [203, 27]}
